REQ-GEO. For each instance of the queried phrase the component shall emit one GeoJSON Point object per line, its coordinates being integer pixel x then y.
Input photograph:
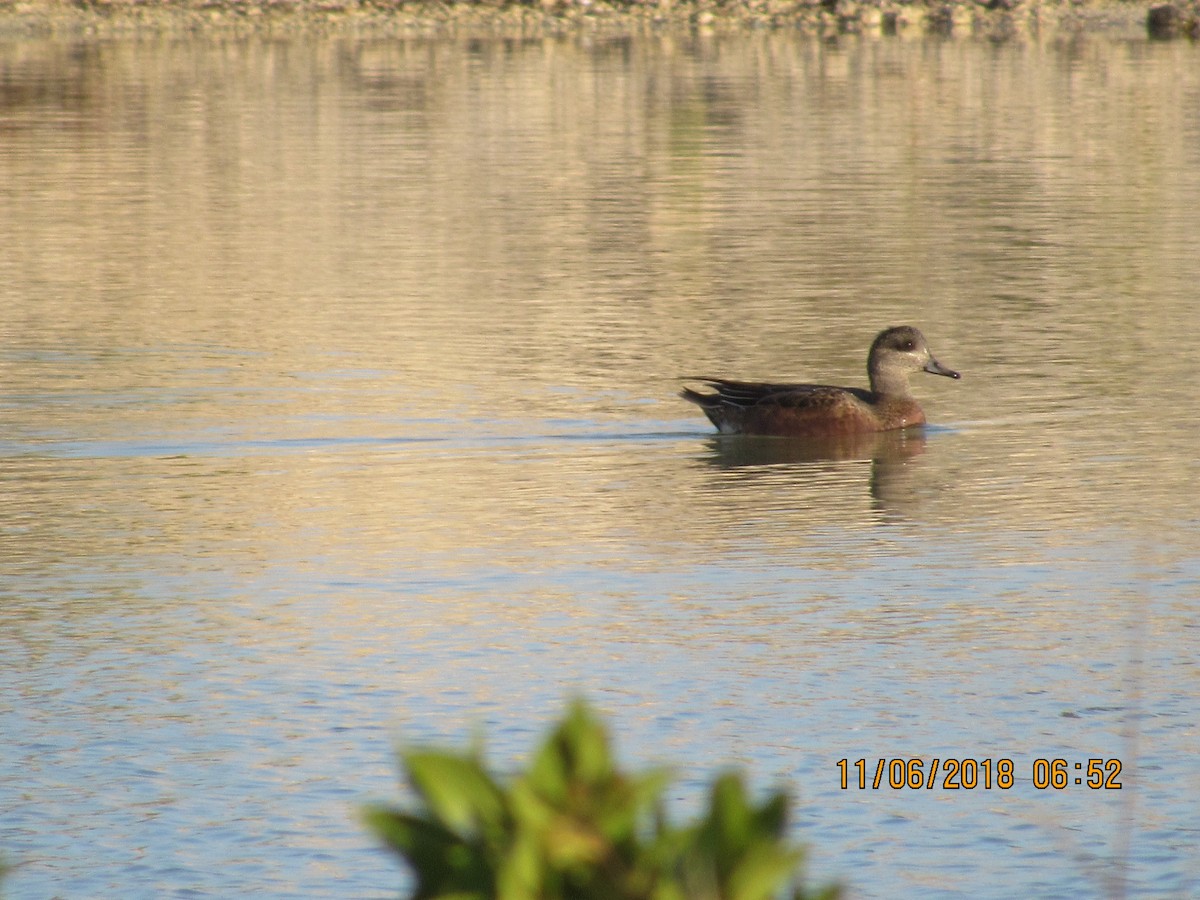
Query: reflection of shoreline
{"type": "Point", "coordinates": [890, 454]}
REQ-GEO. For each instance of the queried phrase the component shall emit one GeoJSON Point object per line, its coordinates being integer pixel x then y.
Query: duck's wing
{"type": "Point", "coordinates": [749, 394]}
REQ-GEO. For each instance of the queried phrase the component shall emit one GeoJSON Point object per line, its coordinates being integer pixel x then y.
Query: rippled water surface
{"type": "Point", "coordinates": [338, 407]}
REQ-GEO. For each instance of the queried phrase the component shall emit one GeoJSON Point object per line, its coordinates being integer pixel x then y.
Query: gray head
{"type": "Point", "coordinates": [895, 354]}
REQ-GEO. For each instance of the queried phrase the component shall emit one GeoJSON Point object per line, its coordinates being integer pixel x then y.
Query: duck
{"type": "Point", "coordinates": [818, 410]}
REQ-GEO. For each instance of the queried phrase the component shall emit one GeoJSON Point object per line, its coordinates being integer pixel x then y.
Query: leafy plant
{"type": "Point", "coordinates": [575, 827]}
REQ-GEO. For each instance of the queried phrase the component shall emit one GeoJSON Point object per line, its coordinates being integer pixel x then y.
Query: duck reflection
{"type": "Point", "coordinates": [890, 455]}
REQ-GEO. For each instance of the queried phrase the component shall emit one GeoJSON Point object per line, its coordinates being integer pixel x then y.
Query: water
{"type": "Point", "coordinates": [337, 408]}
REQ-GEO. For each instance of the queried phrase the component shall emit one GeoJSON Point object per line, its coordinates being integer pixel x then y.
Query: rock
{"type": "Point", "coordinates": [1164, 22]}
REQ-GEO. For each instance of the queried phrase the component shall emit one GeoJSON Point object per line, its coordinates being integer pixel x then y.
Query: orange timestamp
{"type": "Point", "coordinates": [966, 774]}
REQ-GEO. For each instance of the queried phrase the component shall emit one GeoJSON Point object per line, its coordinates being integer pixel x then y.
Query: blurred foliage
{"type": "Point", "coordinates": [574, 826]}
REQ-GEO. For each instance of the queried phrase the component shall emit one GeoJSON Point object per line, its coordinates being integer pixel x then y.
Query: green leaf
{"type": "Point", "coordinates": [730, 824]}
{"type": "Point", "coordinates": [762, 870]}
{"type": "Point", "coordinates": [522, 871]}
{"type": "Point", "coordinates": [457, 791]}
{"type": "Point", "coordinates": [441, 862]}
{"type": "Point", "coordinates": [574, 758]}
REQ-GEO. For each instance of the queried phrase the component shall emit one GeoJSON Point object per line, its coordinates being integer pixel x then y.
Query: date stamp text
{"type": "Point", "coordinates": [966, 774]}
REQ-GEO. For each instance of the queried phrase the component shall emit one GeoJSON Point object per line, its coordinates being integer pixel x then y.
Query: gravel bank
{"type": "Point", "coordinates": [827, 18]}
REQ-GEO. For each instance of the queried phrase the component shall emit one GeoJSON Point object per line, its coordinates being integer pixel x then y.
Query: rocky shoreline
{"type": "Point", "coordinates": [996, 19]}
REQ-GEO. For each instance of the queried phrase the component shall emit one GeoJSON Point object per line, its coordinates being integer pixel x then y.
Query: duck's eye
{"type": "Point", "coordinates": [907, 346]}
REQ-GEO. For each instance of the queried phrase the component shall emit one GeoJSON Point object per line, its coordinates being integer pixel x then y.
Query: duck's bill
{"type": "Point", "coordinates": [933, 367]}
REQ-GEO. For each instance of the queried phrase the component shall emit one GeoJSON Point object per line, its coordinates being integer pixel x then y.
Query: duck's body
{"type": "Point", "coordinates": [798, 410]}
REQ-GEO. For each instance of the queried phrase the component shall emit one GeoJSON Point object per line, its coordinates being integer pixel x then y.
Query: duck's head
{"type": "Point", "coordinates": [898, 352]}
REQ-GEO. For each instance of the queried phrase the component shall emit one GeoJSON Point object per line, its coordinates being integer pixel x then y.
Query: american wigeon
{"type": "Point", "coordinates": [798, 410]}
